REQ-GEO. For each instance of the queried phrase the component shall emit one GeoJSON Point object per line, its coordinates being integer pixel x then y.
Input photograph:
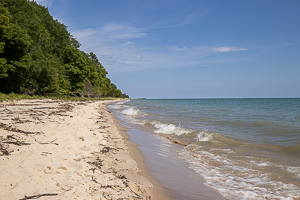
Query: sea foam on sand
{"type": "Point", "coordinates": [65, 150]}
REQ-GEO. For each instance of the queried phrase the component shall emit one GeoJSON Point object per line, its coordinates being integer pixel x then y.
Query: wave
{"type": "Point", "coordinates": [188, 135]}
{"type": "Point", "coordinates": [234, 180]}
{"type": "Point", "coordinates": [131, 111]}
{"type": "Point", "coordinates": [126, 109]}
{"type": "Point", "coordinates": [293, 150]}
{"type": "Point", "coordinates": [170, 129]}
{"type": "Point", "coordinates": [128, 113]}
{"type": "Point", "coordinates": [244, 167]}
{"type": "Point", "coordinates": [119, 105]}
{"type": "Point", "coordinates": [261, 164]}
{"type": "Point", "coordinates": [115, 106]}
{"type": "Point", "coordinates": [294, 170]}
{"type": "Point", "coordinates": [204, 136]}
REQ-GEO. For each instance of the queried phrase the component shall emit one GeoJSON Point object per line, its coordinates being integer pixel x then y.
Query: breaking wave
{"type": "Point", "coordinates": [170, 129]}
{"type": "Point", "coordinates": [204, 136]}
{"type": "Point", "coordinates": [131, 111]}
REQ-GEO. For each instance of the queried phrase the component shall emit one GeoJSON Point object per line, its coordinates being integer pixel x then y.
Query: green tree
{"type": "Point", "coordinates": [39, 56]}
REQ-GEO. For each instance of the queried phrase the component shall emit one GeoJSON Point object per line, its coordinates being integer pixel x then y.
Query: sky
{"type": "Point", "coordinates": [190, 48]}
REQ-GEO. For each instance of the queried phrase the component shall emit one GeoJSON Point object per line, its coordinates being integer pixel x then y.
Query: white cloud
{"type": "Point", "coordinates": [128, 43]}
{"type": "Point", "coordinates": [208, 49]}
{"type": "Point", "coordinates": [119, 31]}
{"type": "Point", "coordinates": [227, 49]}
{"type": "Point", "coordinates": [188, 50]}
{"type": "Point", "coordinates": [113, 44]}
{"type": "Point", "coordinates": [84, 33]}
{"type": "Point", "coordinates": [116, 47]}
{"type": "Point", "coordinates": [286, 44]}
{"type": "Point", "coordinates": [46, 3]}
{"type": "Point", "coordinates": [113, 32]}
{"type": "Point", "coordinates": [176, 48]}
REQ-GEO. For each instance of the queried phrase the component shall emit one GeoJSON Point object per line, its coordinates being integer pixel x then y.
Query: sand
{"type": "Point", "coordinates": [68, 150]}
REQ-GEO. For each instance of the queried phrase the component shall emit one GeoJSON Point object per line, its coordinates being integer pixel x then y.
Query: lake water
{"type": "Point", "coordinates": [243, 148]}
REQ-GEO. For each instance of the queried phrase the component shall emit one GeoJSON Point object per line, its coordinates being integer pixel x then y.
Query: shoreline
{"type": "Point", "coordinates": [159, 191]}
{"type": "Point", "coordinates": [69, 150]}
{"type": "Point", "coordinates": [164, 164]}
{"type": "Point", "coordinates": [162, 161]}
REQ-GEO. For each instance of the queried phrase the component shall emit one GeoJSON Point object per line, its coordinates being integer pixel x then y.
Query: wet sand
{"type": "Point", "coordinates": [159, 191]}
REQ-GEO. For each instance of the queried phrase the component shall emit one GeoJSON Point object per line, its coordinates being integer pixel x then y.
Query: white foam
{"type": "Point", "coordinates": [294, 170]}
{"type": "Point", "coordinates": [227, 150]}
{"type": "Point", "coordinates": [169, 129]}
{"type": "Point", "coordinates": [123, 102]}
{"type": "Point", "coordinates": [115, 106]}
{"type": "Point", "coordinates": [119, 105]}
{"type": "Point", "coordinates": [130, 111]}
{"type": "Point", "coordinates": [236, 181]}
{"type": "Point", "coordinates": [131, 115]}
{"type": "Point", "coordinates": [204, 136]}
{"type": "Point", "coordinates": [261, 164]}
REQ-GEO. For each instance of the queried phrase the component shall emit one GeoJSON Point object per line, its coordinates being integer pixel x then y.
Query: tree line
{"type": "Point", "coordinates": [38, 56]}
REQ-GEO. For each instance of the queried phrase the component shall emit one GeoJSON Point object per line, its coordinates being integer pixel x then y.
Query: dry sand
{"type": "Point", "coordinates": [67, 150]}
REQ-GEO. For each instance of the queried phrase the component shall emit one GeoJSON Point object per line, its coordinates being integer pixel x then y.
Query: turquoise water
{"type": "Point", "coordinates": [244, 148]}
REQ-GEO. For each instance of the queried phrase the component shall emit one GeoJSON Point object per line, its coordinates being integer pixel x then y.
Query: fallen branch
{"type": "Point", "coordinates": [52, 142]}
{"type": "Point", "coordinates": [38, 196]}
{"type": "Point", "coordinates": [6, 109]}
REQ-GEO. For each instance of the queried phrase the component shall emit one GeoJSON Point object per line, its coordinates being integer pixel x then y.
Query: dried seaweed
{"type": "Point", "coordinates": [10, 128]}
{"type": "Point", "coordinates": [3, 151]}
{"type": "Point", "coordinates": [97, 163]}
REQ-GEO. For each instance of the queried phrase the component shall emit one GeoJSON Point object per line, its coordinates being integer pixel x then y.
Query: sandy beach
{"type": "Point", "coordinates": [69, 150]}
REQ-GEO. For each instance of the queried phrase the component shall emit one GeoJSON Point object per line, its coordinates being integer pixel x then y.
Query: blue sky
{"type": "Point", "coordinates": [190, 48]}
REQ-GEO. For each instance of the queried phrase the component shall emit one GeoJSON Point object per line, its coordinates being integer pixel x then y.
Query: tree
{"type": "Point", "coordinates": [39, 56]}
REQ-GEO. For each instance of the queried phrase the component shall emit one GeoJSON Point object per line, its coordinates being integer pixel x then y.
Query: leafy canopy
{"type": "Point", "coordinates": [39, 56]}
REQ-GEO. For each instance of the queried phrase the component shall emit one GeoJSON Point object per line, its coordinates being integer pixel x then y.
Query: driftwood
{"type": "Point", "coordinates": [52, 142]}
{"type": "Point", "coordinates": [38, 196]}
{"type": "Point", "coordinates": [16, 143]}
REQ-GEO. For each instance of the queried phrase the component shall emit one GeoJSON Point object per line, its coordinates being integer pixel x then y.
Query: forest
{"type": "Point", "coordinates": [38, 56]}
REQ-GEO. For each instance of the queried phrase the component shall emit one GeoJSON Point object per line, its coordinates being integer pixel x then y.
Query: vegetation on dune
{"type": "Point", "coordinates": [15, 97]}
{"type": "Point", "coordinates": [38, 56]}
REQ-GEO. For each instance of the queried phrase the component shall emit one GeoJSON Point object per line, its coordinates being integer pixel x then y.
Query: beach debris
{"type": "Point", "coordinates": [97, 163]}
{"type": "Point", "coordinates": [52, 142]}
{"type": "Point", "coordinates": [39, 195]}
{"type": "Point", "coordinates": [35, 111]}
{"type": "Point", "coordinates": [10, 128]}
{"type": "Point", "coordinates": [3, 151]}
{"type": "Point", "coordinates": [112, 174]}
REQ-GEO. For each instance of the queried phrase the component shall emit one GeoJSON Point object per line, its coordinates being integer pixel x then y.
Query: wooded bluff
{"type": "Point", "coordinates": [38, 56]}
